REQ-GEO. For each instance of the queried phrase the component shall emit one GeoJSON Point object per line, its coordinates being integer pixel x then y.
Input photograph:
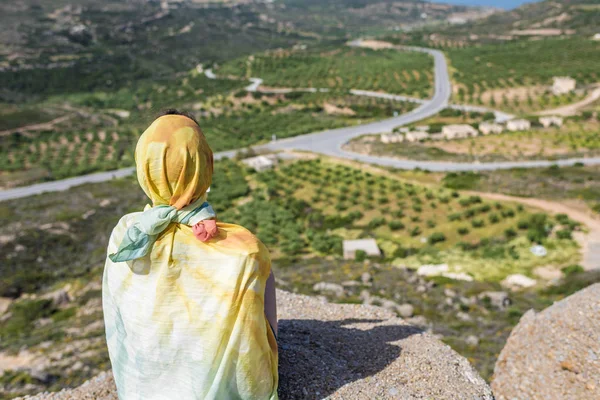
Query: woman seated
{"type": "Point", "coordinates": [189, 302]}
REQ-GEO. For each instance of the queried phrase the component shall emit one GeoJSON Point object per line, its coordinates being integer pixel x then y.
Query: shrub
{"type": "Point", "coordinates": [398, 214]}
{"type": "Point", "coordinates": [572, 269]}
{"type": "Point", "coordinates": [494, 218]}
{"type": "Point", "coordinates": [538, 227]}
{"type": "Point", "coordinates": [396, 225]}
{"type": "Point", "coordinates": [477, 223]}
{"type": "Point", "coordinates": [376, 222]}
{"type": "Point", "coordinates": [463, 230]}
{"type": "Point", "coordinates": [360, 255]}
{"type": "Point", "coordinates": [416, 231]}
{"type": "Point", "coordinates": [327, 243]}
{"type": "Point", "coordinates": [454, 217]}
{"type": "Point", "coordinates": [508, 213]}
{"type": "Point", "coordinates": [523, 224]}
{"type": "Point", "coordinates": [24, 314]}
{"type": "Point", "coordinates": [437, 237]}
{"type": "Point", "coordinates": [564, 234]}
{"type": "Point", "coordinates": [431, 223]}
{"type": "Point", "coordinates": [469, 213]}
{"type": "Point", "coordinates": [510, 233]}
{"type": "Point", "coordinates": [461, 181]}
{"type": "Point", "coordinates": [417, 208]}
{"type": "Point", "coordinates": [563, 219]}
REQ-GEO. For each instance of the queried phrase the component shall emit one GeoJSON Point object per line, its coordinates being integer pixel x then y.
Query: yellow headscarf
{"type": "Point", "coordinates": [174, 162]}
{"type": "Point", "coordinates": [174, 168]}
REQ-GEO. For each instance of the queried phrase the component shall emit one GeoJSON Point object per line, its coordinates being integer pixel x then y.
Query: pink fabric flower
{"type": "Point", "coordinates": [205, 230]}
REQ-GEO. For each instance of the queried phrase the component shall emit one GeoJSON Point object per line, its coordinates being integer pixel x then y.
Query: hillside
{"type": "Point", "coordinates": [49, 47]}
{"type": "Point", "coordinates": [548, 18]}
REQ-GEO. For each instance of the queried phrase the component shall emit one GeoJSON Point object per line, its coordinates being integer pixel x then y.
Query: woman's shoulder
{"type": "Point", "coordinates": [124, 223]}
{"type": "Point", "coordinates": [237, 237]}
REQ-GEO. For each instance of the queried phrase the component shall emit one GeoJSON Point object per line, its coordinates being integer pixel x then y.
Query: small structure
{"type": "Point", "coordinates": [392, 138]}
{"type": "Point", "coordinates": [460, 131]}
{"type": "Point", "coordinates": [436, 136]}
{"type": "Point", "coordinates": [369, 246]}
{"type": "Point", "coordinates": [563, 85]}
{"type": "Point", "coordinates": [488, 128]}
{"type": "Point", "coordinates": [416, 136]}
{"type": "Point", "coordinates": [551, 120]}
{"type": "Point", "coordinates": [262, 162]}
{"type": "Point", "coordinates": [515, 125]}
{"type": "Point", "coordinates": [596, 36]}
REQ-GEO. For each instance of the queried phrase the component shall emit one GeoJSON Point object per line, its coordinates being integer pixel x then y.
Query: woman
{"type": "Point", "coordinates": [189, 303]}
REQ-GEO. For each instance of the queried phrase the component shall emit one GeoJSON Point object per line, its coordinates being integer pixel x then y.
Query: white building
{"type": "Point", "coordinates": [369, 246]}
{"type": "Point", "coordinates": [551, 120]}
{"type": "Point", "coordinates": [436, 136]}
{"type": "Point", "coordinates": [488, 128]}
{"type": "Point", "coordinates": [261, 163]}
{"type": "Point", "coordinates": [460, 131]}
{"type": "Point", "coordinates": [518, 125]}
{"type": "Point", "coordinates": [596, 36]}
{"type": "Point", "coordinates": [563, 85]}
{"type": "Point", "coordinates": [416, 136]}
{"type": "Point", "coordinates": [392, 138]}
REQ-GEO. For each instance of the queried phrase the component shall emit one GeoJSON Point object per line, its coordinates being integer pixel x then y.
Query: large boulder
{"type": "Point", "coordinates": [554, 354]}
{"type": "Point", "coordinates": [348, 352]}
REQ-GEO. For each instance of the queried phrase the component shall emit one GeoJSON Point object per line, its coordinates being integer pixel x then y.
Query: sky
{"type": "Point", "coordinates": [508, 4]}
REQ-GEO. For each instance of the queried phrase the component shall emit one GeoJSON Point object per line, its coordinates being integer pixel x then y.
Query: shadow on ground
{"type": "Point", "coordinates": [316, 358]}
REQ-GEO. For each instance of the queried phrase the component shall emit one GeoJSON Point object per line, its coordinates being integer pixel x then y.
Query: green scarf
{"type": "Point", "coordinates": [140, 237]}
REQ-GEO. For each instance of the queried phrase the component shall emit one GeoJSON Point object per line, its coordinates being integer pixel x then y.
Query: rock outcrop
{"type": "Point", "coordinates": [554, 354]}
{"type": "Point", "coordinates": [347, 352]}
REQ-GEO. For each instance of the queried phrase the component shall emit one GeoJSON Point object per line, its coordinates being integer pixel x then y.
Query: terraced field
{"type": "Point", "coordinates": [479, 70]}
{"type": "Point", "coordinates": [301, 211]}
{"type": "Point", "coordinates": [229, 120]}
{"type": "Point", "coordinates": [392, 71]}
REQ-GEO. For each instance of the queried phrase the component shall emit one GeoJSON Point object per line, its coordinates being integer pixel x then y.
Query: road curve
{"type": "Point", "coordinates": [330, 142]}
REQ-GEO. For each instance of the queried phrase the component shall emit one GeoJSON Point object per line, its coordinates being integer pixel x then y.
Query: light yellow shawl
{"type": "Point", "coordinates": [186, 321]}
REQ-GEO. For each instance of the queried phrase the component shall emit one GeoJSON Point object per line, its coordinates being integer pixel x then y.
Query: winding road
{"type": "Point", "coordinates": [330, 142]}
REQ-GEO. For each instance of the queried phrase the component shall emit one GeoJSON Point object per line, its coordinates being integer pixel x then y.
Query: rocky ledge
{"type": "Point", "coordinates": [554, 354]}
{"type": "Point", "coordinates": [343, 351]}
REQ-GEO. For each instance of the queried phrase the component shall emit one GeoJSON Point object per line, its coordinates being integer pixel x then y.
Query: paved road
{"type": "Point", "coordinates": [330, 142]}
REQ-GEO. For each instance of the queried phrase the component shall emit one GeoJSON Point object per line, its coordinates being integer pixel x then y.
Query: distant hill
{"type": "Point", "coordinates": [65, 46]}
{"type": "Point", "coordinates": [506, 4]}
{"type": "Point", "coordinates": [541, 19]}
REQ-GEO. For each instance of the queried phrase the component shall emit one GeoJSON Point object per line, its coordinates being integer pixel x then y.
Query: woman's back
{"type": "Point", "coordinates": [186, 321]}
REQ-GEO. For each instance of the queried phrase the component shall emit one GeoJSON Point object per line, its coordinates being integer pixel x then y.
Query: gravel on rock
{"type": "Point", "coordinates": [347, 351]}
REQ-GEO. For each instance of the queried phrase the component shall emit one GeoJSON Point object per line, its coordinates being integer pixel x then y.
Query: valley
{"type": "Point", "coordinates": [357, 107]}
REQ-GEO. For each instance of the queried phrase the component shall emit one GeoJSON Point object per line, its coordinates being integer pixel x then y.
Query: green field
{"type": "Point", "coordinates": [228, 120]}
{"type": "Point", "coordinates": [413, 224]}
{"type": "Point", "coordinates": [391, 71]}
{"type": "Point", "coordinates": [524, 63]}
